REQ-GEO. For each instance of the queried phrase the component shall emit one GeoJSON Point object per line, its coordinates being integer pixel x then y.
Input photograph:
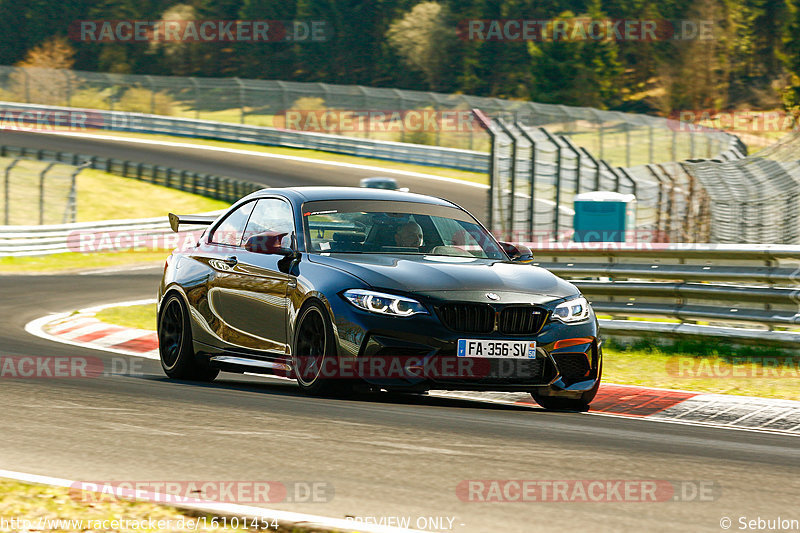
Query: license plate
{"type": "Point", "coordinates": [497, 349]}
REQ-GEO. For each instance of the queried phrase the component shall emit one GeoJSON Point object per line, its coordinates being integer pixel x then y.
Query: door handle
{"type": "Point", "coordinates": [231, 260]}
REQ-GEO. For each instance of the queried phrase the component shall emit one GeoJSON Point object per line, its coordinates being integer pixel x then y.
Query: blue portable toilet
{"type": "Point", "coordinates": [603, 216]}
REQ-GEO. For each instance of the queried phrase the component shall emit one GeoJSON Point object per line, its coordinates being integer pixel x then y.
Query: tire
{"type": "Point", "coordinates": [314, 358]}
{"type": "Point", "coordinates": [581, 404]}
{"type": "Point", "coordinates": [175, 344]}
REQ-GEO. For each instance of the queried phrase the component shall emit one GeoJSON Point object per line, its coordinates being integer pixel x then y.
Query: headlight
{"type": "Point", "coordinates": [575, 310]}
{"type": "Point", "coordinates": [383, 304]}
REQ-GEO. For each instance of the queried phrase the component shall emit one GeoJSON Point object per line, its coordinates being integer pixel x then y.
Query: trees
{"type": "Point", "coordinates": [422, 38]}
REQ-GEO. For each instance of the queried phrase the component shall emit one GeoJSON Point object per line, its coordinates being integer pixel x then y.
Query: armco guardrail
{"type": "Point", "coordinates": [143, 123]}
{"type": "Point", "coordinates": [728, 289]}
{"type": "Point", "coordinates": [220, 188]}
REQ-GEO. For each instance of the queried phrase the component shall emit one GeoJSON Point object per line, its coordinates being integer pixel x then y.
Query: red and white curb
{"type": "Point", "coordinates": [82, 329]}
{"type": "Point", "coordinates": [663, 405]}
{"type": "Point", "coordinates": [286, 519]}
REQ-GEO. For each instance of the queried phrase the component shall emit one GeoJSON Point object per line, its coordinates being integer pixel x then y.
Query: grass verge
{"type": "Point", "coordinates": [698, 365]}
{"type": "Point", "coordinates": [132, 316]}
{"type": "Point", "coordinates": [103, 196]}
{"type": "Point", "coordinates": [703, 365]}
{"type": "Point", "coordinates": [74, 261]}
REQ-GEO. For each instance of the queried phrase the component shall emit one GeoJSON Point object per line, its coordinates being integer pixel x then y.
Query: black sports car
{"type": "Point", "coordinates": [348, 289]}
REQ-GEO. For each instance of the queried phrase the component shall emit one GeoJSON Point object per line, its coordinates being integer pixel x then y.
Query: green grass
{"type": "Point", "coordinates": [38, 502]}
{"type": "Point", "coordinates": [73, 261]}
{"type": "Point", "coordinates": [100, 196]}
{"type": "Point", "coordinates": [704, 366]}
{"type": "Point", "coordinates": [134, 316]}
{"type": "Point", "coordinates": [103, 196]}
{"type": "Point", "coordinates": [697, 365]}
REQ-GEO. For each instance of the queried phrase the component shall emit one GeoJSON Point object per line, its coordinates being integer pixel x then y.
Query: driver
{"type": "Point", "coordinates": [409, 235]}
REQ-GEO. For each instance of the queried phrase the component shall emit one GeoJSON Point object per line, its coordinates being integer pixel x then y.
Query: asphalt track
{"type": "Point", "coordinates": [384, 456]}
{"type": "Point", "coordinates": [272, 172]}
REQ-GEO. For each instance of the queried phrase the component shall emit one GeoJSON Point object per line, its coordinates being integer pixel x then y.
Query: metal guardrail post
{"type": "Point", "coordinates": [42, 175]}
{"type": "Point", "coordinates": [557, 207]}
{"type": "Point", "coordinates": [7, 191]}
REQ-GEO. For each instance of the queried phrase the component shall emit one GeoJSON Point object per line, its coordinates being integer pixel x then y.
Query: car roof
{"type": "Point", "coordinates": [312, 194]}
{"type": "Point", "coordinates": [378, 179]}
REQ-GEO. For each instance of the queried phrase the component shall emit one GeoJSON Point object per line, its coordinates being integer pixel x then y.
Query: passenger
{"type": "Point", "coordinates": [409, 235]}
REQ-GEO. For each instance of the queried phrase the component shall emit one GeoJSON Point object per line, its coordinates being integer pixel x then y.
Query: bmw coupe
{"type": "Point", "coordinates": [348, 289]}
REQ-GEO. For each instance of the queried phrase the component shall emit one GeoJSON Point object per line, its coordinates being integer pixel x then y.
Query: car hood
{"type": "Point", "coordinates": [434, 274]}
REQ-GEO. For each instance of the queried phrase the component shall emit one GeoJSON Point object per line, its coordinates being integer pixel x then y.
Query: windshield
{"type": "Point", "coordinates": [357, 226]}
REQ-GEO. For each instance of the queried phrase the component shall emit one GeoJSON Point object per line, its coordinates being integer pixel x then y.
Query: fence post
{"type": "Point", "coordinates": [630, 179]}
{"type": "Point", "coordinates": [69, 88]}
{"type": "Point", "coordinates": [627, 144]}
{"type": "Point", "coordinates": [596, 168]}
{"type": "Point", "coordinates": [557, 209]}
{"type": "Point", "coordinates": [513, 190]}
{"type": "Point", "coordinates": [71, 211]}
{"type": "Point", "coordinates": [41, 192]}
{"type": "Point", "coordinates": [196, 97]}
{"type": "Point", "coordinates": [6, 189]}
{"type": "Point", "coordinates": [27, 86]}
{"type": "Point", "coordinates": [660, 210]}
{"type": "Point", "coordinates": [601, 130]}
{"type": "Point", "coordinates": [486, 123]}
{"type": "Point", "coordinates": [577, 153]}
{"type": "Point", "coordinates": [532, 203]}
{"type": "Point", "coordinates": [241, 99]}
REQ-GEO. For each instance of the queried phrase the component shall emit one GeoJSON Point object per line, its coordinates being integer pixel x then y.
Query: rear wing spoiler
{"type": "Point", "coordinates": [175, 221]}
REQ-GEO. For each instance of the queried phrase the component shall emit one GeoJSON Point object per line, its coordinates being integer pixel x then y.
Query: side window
{"type": "Point", "coordinates": [270, 214]}
{"type": "Point", "coordinates": [231, 229]}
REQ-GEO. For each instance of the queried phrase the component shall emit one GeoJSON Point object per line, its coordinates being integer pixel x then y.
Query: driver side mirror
{"type": "Point", "coordinates": [517, 252]}
{"type": "Point", "coordinates": [269, 243]}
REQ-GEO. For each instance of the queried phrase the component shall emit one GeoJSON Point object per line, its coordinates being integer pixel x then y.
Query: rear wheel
{"type": "Point", "coordinates": [314, 355]}
{"type": "Point", "coordinates": [175, 344]}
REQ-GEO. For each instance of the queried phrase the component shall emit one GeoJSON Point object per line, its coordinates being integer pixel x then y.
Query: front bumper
{"type": "Point", "coordinates": [419, 353]}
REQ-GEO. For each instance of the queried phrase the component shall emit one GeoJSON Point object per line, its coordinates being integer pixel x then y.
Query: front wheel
{"type": "Point", "coordinates": [555, 403]}
{"type": "Point", "coordinates": [314, 355]}
{"type": "Point", "coordinates": [175, 344]}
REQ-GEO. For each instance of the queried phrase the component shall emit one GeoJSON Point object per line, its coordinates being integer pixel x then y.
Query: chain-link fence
{"type": "Point", "coordinates": [755, 199]}
{"type": "Point", "coordinates": [37, 192]}
{"type": "Point", "coordinates": [622, 139]}
{"type": "Point", "coordinates": [536, 175]}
